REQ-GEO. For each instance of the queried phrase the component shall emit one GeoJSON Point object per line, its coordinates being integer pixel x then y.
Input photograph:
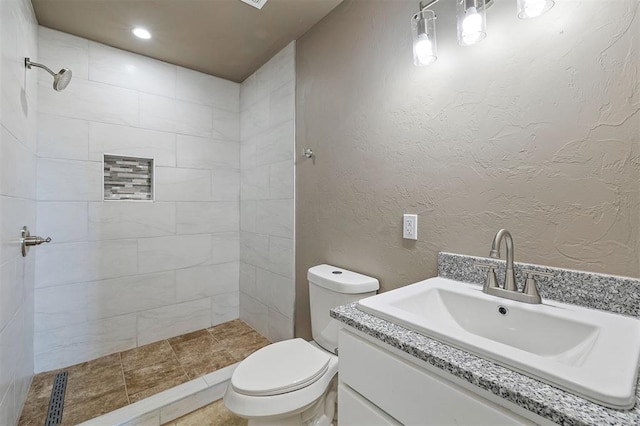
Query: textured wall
{"type": "Point", "coordinates": [536, 130]}
{"type": "Point", "coordinates": [121, 274]}
{"type": "Point", "coordinates": [266, 241]}
{"type": "Point", "coordinates": [18, 115]}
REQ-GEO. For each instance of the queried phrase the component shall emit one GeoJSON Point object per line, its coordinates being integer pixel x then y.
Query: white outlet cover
{"type": "Point", "coordinates": [410, 226]}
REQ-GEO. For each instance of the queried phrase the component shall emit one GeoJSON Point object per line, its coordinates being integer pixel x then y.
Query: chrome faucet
{"type": "Point", "coordinates": [510, 289]}
{"type": "Point", "coordinates": [510, 276]}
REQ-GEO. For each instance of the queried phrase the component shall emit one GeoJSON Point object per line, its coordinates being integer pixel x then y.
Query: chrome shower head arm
{"type": "Point", "coordinates": [29, 64]}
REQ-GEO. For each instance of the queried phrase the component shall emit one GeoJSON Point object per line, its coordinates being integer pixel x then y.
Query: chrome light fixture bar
{"type": "Point", "coordinates": [471, 26]}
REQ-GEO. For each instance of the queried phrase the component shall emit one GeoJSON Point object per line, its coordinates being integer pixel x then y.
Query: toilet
{"type": "Point", "coordinates": [294, 382]}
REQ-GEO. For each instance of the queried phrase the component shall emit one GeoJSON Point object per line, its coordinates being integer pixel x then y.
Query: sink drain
{"type": "Point", "coordinates": [503, 311]}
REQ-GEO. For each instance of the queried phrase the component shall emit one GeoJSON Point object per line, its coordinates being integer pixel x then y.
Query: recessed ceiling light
{"type": "Point", "coordinates": [141, 33]}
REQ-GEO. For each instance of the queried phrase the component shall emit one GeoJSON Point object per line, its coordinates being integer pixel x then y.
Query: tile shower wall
{"type": "Point", "coordinates": [123, 274]}
{"type": "Point", "coordinates": [267, 211]}
{"type": "Point", "coordinates": [18, 115]}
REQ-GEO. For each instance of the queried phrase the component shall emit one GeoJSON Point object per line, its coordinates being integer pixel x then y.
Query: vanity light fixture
{"type": "Point", "coordinates": [472, 24]}
{"type": "Point", "coordinates": [472, 21]}
{"type": "Point", "coordinates": [528, 9]}
{"type": "Point", "coordinates": [142, 33]}
{"type": "Point", "coordinates": [423, 29]}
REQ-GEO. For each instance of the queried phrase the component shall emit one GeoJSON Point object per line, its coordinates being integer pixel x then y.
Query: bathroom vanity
{"type": "Point", "coordinates": [390, 375]}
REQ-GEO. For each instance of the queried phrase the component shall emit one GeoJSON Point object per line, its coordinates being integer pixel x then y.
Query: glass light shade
{"type": "Point", "coordinates": [528, 9]}
{"type": "Point", "coordinates": [472, 21]}
{"type": "Point", "coordinates": [423, 30]}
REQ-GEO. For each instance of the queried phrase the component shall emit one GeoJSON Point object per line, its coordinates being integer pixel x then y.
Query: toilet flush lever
{"type": "Point", "coordinates": [26, 240]}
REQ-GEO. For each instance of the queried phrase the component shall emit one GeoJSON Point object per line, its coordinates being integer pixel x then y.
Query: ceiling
{"type": "Point", "coordinates": [225, 38]}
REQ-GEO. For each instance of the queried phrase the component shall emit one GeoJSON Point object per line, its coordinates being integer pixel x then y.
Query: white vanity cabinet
{"type": "Point", "coordinates": [380, 385]}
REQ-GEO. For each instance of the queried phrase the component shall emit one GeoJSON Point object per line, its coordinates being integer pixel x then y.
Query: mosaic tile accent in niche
{"type": "Point", "coordinates": [128, 178]}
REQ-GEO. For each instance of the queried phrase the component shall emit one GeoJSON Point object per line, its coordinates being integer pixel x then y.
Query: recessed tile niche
{"type": "Point", "coordinates": [128, 178]}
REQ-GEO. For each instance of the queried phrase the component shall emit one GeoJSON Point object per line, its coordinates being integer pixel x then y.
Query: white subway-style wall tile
{"type": "Point", "coordinates": [62, 50]}
{"type": "Point", "coordinates": [125, 69]}
{"type": "Point", "coordinates": [128, 219]}
{"type": "Point", "coordinates": [275, 217]}
{"type": "Point", "coordinates": [131, 141]}
{"type": "Point", "coordinates": [118, 296]}
{"type": "Point", "coordinates": [205, 217]}
{"type": "Point", "coordinates": [281, 180]}
{"type": "Point", "coordinates": [248, 281]}
{"type": "Point", "coordinates": [66, 346]}
{"type": "Point", "coordinates": [254, 313]}
{"type": "Point", "coordinates": [170, 115]}
{"type": "Point", "coordinates": [60, 306]}
{"type": "Point", "coordinates": [280, 326]}
{"type": "Point", "coordinates": [206, 153]}
{"type": "Point", "coordinates": [62, 137]}
{"type": "Point", "coordinates": [176, 184]}
{"type": "Point", "coordinates": [69, 180]}
{"type": "Point", "coordinates": [204, 89]}
{"type": "Point", "coordinates": [248, 215]}
{"type": "Point", "coordinates": [14, 214]}
{"type": "Point", "coordinates": [88, 100]}
{"type": "Point", "coordinates": [281, 256]}
{"type": "Point", "coordinates": [225, 307]}
{"type": "Point", "coordinates": [174, 252]}
{"type": "Point", "coordinates": [282, 104]}
{"type": "Point", "coordinates": [280, 291]}
{"type": "Point", "coordinates": [255, 119]}
{"type": "Point", "coordinates": [226, 125]}
{"type": "Point", "coordinates": [278, 70]}
{"type": "Point", "coordinates": [63, 221]}
{"type": "Point", "coordinates": [225, 185]}
{"type": "Point", "coordinates": [66, 263]}
{"type": "Point", "coordinates": [18, 167]}
{"type": "Point", "coordinates": [255, 249]}
{"type": "Point", "coordinates": [204, 281]}
{"type": "Point", "coordinates": [254, 183]}
{"type": "Point", "coordinates": [162, 323]}
{"type": "Point", "coordinates": [275, 145]}
{"type": "Point", "coordinates": [10, 292]}
{"type": "Point", "coordinates": [226, 247]}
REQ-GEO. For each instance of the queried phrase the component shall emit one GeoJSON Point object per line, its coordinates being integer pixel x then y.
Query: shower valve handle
{"type": "Point", "coordinates": [26, 240]}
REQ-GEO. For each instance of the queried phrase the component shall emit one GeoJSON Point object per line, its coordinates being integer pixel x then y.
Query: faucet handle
{"type": "Point", "coordinates": [491, 280]}
{"type": "Point", "coordinates": [531, 285]}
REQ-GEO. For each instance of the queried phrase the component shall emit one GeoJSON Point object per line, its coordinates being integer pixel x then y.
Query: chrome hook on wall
{"type": "Point", "coordinates": [26, 240]}
{"type": "Point", "coordinates": [308, 152]}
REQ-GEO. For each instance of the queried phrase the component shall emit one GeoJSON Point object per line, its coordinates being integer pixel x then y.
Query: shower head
{"type": "Point", "coordinates": [61, 79]}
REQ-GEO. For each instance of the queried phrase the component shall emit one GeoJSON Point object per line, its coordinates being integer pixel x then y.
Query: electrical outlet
{"type": "Point", "coordinates": [410, 226]}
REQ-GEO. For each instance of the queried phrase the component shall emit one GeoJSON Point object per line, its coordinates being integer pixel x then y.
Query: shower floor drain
{"type": "Point", "coordinates": [56, 403]}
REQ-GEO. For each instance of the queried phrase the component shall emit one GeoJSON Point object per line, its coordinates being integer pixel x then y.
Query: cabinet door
{"type": "Point", "coordinates": [354, 410]}
{"type": "Point", "coordinates": [412, 395]}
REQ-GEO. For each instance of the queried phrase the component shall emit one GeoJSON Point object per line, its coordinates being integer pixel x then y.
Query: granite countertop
{"type": "Point", "coordinates": [620, 295]}
{"type": "Point", "coordinates": [540, 398]}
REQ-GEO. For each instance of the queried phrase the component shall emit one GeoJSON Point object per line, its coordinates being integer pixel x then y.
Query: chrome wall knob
{"type": "Point", "coordinates": [26, 240]}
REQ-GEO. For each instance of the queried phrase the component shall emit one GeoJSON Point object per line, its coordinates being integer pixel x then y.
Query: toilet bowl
{"type": "Point", "coordinates": [294, 382]}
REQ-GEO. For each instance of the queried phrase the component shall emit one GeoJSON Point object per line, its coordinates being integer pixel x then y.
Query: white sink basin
{"type": "Point", "coordinates": [591, 353]}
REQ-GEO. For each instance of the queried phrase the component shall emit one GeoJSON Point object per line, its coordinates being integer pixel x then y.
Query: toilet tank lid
{"type": "Point", "coordinates": [341, 280]}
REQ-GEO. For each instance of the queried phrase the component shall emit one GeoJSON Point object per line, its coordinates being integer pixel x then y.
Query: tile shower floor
{"type": "Point", "coordinates": [105, 384]}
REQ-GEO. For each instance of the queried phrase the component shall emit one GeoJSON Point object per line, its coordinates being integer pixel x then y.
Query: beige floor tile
{"type": "Point", "coordinates": [146, 355]}
{"type": "Point", "coordinates": [230, 329]}
{"type": "Point", "coordinates": [94, 407]}
{"type": "Point", "coordinates": [214, 414]}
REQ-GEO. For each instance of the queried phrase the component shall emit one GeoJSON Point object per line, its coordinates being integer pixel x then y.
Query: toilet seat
{"type": "Point", "coordinates": [292, 402]}
{"type": "Point", "coordinates": [280, 368]}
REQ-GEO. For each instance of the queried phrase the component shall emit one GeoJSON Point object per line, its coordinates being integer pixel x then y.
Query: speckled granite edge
{"type": "Point", "coordinates": [544, 400]}
{"type": "Point", "coordinates": [611, 293]}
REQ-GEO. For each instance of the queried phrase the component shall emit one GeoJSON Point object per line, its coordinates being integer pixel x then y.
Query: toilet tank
{"type": "Point", "coordinates": [330, 286]}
